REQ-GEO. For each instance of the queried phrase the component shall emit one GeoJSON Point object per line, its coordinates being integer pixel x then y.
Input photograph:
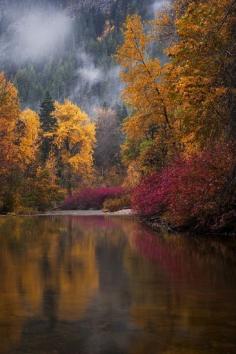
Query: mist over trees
{"type": "Point", "coordinates": [64, 47]}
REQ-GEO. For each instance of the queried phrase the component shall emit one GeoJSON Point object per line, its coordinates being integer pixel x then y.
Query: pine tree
{"type": "Point", "coordinates": [48, 124]}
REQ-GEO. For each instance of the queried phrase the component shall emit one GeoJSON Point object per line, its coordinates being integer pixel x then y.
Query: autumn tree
{"type": "Point", "coordinates": [25, 184]}
{"type": "Point", "coordinates": [185, 106]}
{"type": "Point", "coordinates": [9, 113]}
{"type": "Point", "coordinates": [150, 121]}
{"type": "Point", "coordinates": [37, 187]}
{"type": "Point", "coordinates": [74, 138]}
{"type": "Point", "coordinates": [188, 102]}
{"type": "Point", "coordinates": [200, 72]}
{"type": "Point", "coordinates": [27, 132]}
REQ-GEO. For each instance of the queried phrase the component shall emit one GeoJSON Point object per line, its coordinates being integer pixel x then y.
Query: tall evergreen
{"type": "Point", "coordinates": [48, 125]}
{"type": "Point", "coordinates": [48, 122]}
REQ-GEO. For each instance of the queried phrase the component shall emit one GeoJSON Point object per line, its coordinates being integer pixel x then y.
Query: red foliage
{"type": "Point", "coordinates": [149, 197]}
{"type": "Point", "coordinates": [189, 190]}
{"type": "Point", "coordinates": [91, 198]}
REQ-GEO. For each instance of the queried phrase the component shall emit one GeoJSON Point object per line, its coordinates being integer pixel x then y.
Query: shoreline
{"type": "Point", "coordinates": [124, 212]}
{"type": "Point", "coordinates": [152, 225]}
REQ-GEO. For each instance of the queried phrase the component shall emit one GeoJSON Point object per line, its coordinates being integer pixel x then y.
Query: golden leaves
{"type": "Point", "coordinates": [9, 113]}
{"type": "Point", "coordinates": [29, 136]}
{"type": "Point", "coordinates": [74, 137]}
{"type": "Point", "coordinates": [182, 105]}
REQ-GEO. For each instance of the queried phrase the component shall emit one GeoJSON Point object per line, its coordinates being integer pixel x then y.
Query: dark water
{"type": "Point", "coordinates": [89, 285]}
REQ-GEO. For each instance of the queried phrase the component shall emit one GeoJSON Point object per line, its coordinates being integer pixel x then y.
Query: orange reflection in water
{"type": "Point", "coordinates": [48, 270]}
{"type": "Point", "coordinates": [108, 285]}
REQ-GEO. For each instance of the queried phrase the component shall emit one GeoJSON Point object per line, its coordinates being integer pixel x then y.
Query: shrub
{"type": "Point", "coordinates": [116, 204]}
{"type": "Point", "coordinates": [189, 191]}
{"type": "Point", "coordinates": [91, 198]}
{"type": "Point", "coordinates": [149, 197]}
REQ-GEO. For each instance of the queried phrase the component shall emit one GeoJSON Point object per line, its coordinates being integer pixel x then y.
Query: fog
{"type": "Point", "coordinates": [159, 5]}
{"type": "Point", "coordinates": [34, 34]}
{"type": "Point", "coordinates": [91, 77]}
{"type": "Point", "coordinates": [88, 71]}
{"type": "Point", "coordinates": [37, 34]}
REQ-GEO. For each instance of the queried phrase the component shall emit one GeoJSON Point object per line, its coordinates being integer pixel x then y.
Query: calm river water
{"type": "Point", "coordinates": [107, 285]}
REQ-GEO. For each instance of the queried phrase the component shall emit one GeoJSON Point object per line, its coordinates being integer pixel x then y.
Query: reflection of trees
{"type": "Point", "coordinates": [107, 317]}
{"type": "Point", "coordinates": [10, 326]}
{"type": "Point", "coordinates": [109, 285]}
{"type": "Point", "coordinates": [193, 261]}
{"type": "Point", "coordinates": [179, 295]}
{"type": "Point", "coordinates": [47, 270]}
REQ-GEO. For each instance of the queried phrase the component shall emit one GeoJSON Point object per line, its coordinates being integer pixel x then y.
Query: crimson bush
{"type": "Point", "coordinates": [91, 198]}
{"type": "Point", "coordinates": [189, 191]}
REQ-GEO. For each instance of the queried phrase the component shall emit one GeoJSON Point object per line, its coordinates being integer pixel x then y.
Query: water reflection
{"type": "Point", "coordinates": [110, 286]}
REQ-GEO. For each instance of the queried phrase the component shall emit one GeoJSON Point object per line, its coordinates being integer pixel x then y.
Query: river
{"type": "Point", "coordinates": [108, 285]}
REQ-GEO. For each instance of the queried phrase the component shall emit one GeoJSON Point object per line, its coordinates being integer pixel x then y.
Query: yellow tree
{"type": "Point", "coordinates": [27, 133]}
{"type": "Point", "coordinates": [9, 113]}
{"type": "Point", "coordinates": [74, 138]}
{"type": "Point", "coordinates": [150, 122]}
{"type": "Point", "coordinates": [200, 73]}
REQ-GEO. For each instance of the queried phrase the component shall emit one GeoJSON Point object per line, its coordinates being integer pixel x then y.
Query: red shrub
{"type": "Point", "coordinates": [149, 197]}
{"type": "Point", "coordinates": [91, 198]}
{"type": "Point", "coordinates": [189, 190]}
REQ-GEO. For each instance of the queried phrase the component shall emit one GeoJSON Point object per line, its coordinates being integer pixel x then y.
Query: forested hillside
{"type": "Point", "coordinates": [77, 43]}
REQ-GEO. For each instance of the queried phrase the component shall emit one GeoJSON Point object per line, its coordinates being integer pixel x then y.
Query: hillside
{"type": "Point", "coordinates": [76, 60]}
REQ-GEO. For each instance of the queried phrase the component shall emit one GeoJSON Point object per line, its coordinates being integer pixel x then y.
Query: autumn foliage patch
{"type": "Point", "coordinates": [91, 198]}
{"type": "Point", "coordinates": [189, 191]}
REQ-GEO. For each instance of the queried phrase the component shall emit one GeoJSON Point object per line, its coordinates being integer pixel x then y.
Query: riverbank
{"type": "Point", "coordinates": [158, 225]}
{"type": "Point", "coordinates": [155, 224]}
{"type": "Point", "coordinates": [124, 212]}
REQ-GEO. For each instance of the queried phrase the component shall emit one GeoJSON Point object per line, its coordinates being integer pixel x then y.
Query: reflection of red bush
{"type": "Point", "coordinates": [171, 258]}
{"type": "Point", "coordinates": [189, 190]}
{"type": "Point", "coordinates": [91, 198]}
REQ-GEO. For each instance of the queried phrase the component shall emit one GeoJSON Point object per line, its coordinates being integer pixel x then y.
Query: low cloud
{"type": "Point", "coordinates": [158, 5]}
{"type": "Point", "coordinates": [88, 71]}
{"type": "Point", "coordinates": [34, 34]}
{"type": "Point", "coordinates": [37, 34]}
{"type": "Point", "coordinates": [96, 85]}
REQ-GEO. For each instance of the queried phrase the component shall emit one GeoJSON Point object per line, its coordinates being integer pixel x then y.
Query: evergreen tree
{"type": "Point", "coordinates": [48, 125]}
{"type": "Point", "coordinates": [48, 122]}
